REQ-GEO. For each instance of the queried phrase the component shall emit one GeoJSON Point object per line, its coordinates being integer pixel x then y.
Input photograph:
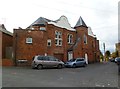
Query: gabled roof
{"type": "Point", "coordinates": [80, 22]}
{"type": "Point", "coordinates": [3, 29]}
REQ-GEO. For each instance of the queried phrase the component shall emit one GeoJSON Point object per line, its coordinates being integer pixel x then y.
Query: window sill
{"type": "Point", "coordinates": [70, 43]}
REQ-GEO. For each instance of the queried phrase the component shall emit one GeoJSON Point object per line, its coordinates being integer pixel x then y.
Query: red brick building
{"type": "Point", "coordinates": [6, 44]}
{"type": "Point", "coordinates": [56, 38]}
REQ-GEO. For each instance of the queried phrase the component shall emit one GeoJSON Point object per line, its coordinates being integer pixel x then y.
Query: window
{"type": "Point", "coordinates": [58, 38]}
{"type": "Point", "coordinates": [42, 28]}
{"type": "Point", "coordinates": [29, 40]}
{"type": "Point", "coordinates": [48, 42]}
{"type": "Point", "coordinates": [70, 36]}
{"type": "Point", "coordinates": [52, 59]}
{"type": "Point", "coordinates": [85, 39]}
{"type": "Point", "coordinates": [40, 58]}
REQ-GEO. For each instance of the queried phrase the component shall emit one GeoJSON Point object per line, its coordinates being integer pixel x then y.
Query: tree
{"type": "Point", "coordinates": [107, 53]}
{"type": "Point", "coordinates": [117, 55]}
{"type": "Point", "coordinates": [114, 54]}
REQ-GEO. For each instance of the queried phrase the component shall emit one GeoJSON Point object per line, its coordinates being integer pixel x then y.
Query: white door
{"type": "Point", "coordinates": [86, 58]}
{"type": "Point", "coordinates": [70, 55]}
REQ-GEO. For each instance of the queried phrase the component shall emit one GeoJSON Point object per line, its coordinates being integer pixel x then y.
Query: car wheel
{"type": "Point", "coordinates": [59, 66]}
{"type": "Point", "coordinates": [39, 67]}
{"type": "Point", "coordinates": [74, 65]}
{"type": "Point", "coordinates": [85, 65]}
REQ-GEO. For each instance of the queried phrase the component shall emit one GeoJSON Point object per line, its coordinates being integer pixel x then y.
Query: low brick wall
{"type": "Point", "coordinates": [7, 62]}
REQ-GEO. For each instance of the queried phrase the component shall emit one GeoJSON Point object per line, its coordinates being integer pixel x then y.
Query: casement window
{"type": "Point", "coordinates": [42, 28]}
{"type": "Point", "coordinates": [70, 39]}
{"type": "Point", "coordinates": [85, 39]}
{"type": "Point", "coordinates": [29, 40]}
{"type": "Point", "coordinates": [58, 38]}
{"type": "Point", "coordinates": [49, 42]}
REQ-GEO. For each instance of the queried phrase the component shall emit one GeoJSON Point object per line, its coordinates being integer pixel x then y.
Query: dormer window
{"type": "Point", "coordinates": [42, 28]}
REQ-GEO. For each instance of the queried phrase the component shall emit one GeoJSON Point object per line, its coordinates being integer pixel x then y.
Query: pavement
{"type": "Point", "coordinates": [94, 75]}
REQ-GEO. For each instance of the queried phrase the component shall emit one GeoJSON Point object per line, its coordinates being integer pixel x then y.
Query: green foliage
{"type": "Point", "coordinates": [114, 54]}
{"type": "Point", "coordinates": [107, 53]}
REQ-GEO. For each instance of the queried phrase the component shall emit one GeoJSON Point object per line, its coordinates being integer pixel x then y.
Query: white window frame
{"type": "Point", "coordinates": [49, 41]}
{"type": "Point", "coordinates": [29, 40]}
{"type": "Point", "coordinates": [42, 29]}
{"type": "Point", "coordinates": [58, 38]}
{"type": "Point", "coordinates": [70, 39]}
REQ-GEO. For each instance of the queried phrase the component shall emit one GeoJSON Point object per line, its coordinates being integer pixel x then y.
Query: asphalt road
{"type": "Point", "coordinates": [94, 75]}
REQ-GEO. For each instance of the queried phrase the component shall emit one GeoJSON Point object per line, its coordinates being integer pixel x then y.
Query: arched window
{"type": "Point", "coordinates": [70, 39]}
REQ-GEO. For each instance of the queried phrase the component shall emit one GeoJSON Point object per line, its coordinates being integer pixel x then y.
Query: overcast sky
{"type": "Point", "coordinates": [100, 15]}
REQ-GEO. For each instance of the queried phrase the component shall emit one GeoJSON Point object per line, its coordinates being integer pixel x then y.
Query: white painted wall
{"type": "Point", "coordinates": [90, 32]}
{"type": "Point", "coordinates": [63, 23]}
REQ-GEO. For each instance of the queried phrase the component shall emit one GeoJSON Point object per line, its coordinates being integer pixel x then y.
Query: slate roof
{"type": "Point", "coordinates": [3, 29]}
{"type": "Point", "coordinates": [40, 21]}
{"type": "Point", "coordinates": [80, 22]}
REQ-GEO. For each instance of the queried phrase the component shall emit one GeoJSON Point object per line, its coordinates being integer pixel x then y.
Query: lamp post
{"type": "Point", "coordinates": [104, 50]}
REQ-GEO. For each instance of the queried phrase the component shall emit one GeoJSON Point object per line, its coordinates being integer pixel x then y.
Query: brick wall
{"type": "Point", "coordinates": [7, 41]}
{"type": "Point", "coordinates": [22, 50]}
{"type": "Point", "coordinates": [7, 62]}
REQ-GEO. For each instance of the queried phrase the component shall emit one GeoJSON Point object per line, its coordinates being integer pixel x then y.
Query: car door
{"type": "Point", "coordinates": [53, 61]}
{"type": "Point", "coordinates": [46, 61]}
{"type": "Point", "coordinates": [79, 62]}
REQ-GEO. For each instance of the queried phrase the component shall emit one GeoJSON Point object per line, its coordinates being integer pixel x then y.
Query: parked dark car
{"type": "Point", "coordinates": [112, 60]}
{"type": "Point", "coordinates": [76, 62]}
{"type": "Point", "coordinates": [46, 61]}
{"type": "Point", "coordinates": [117, 60]}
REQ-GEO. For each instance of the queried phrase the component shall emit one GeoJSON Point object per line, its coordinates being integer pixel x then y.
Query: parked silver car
{"type": "Point", "coordinates": [46, 61]}
{"type": "Point", "coordinates": [76, 63]}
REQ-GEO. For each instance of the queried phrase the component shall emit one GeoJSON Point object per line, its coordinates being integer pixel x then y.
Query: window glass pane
{"type": "Point", "coordinates": [60, 42]}
{"type": "Point", "coordinates": [56, 41]}
{"type": "Point", "coordinates": [42, 28]}
{"type": "Point", "coordinates": [46, 58]}
{"type": "Point", "coordinates": [70, 36]}
{"type": "Point", "coordinates": [28, 40]}
{"type": "Point", "coordinates": [40, 58]}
